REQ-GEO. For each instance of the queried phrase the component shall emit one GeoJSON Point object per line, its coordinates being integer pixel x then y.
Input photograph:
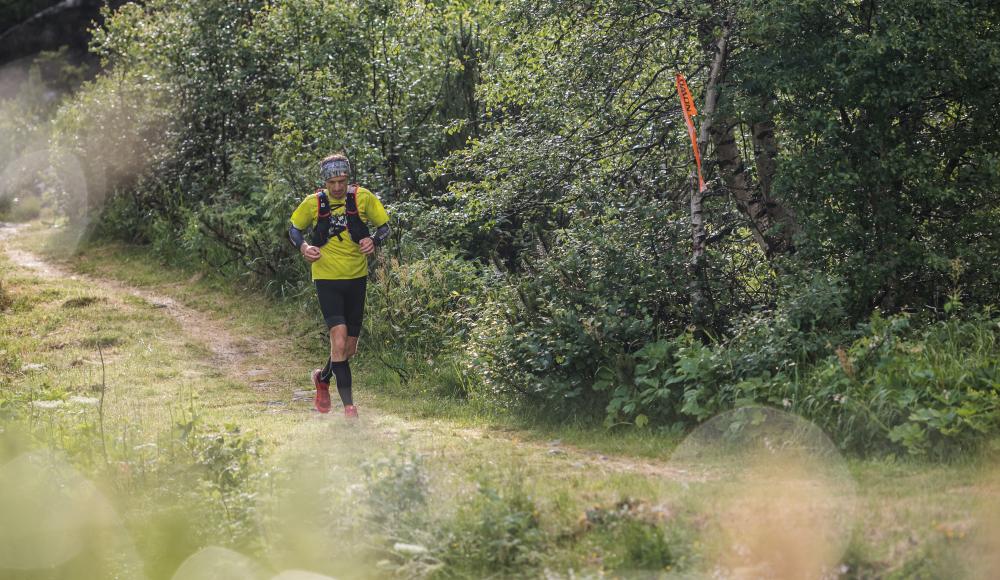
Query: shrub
{"type": "Point", "coordinates": [632, 537]}
{"type": "Point", "coordinates": [583, 305]}
{"type": "Point", "coordinates": [397, 488]}
{"type": "Point", "coordinates": [899, 383]}
{"type": "Point", "coordinates": [681, 379]}
{"type": "Point", "coordinates": [928, 387]}
{"type": "Point", "coordinates": [419, 310]}
{"type": "Point", "coordinates": [497, 531]}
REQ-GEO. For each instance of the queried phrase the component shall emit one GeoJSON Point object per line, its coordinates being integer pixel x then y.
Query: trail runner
{"type": "Point", "coordinates": [338, 250]}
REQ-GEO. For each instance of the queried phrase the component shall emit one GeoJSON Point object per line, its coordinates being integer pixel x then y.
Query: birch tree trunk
{"type": "Point", "coordinates": [772, 224]}
{"type": "Point", "coordinates": [698, 287]}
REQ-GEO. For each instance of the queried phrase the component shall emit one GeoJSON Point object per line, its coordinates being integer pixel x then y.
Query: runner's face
{"type": "Point", "coordinates": [337, 186]}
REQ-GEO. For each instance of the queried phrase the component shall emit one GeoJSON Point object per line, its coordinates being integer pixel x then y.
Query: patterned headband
{"type": "Point", "coordinates": [334, 168]}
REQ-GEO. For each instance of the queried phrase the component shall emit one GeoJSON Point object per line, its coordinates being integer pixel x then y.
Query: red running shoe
{"type": "Point", "coordinates": [322, 402]}
{"type": "Point", "coordinates": [351, 412]}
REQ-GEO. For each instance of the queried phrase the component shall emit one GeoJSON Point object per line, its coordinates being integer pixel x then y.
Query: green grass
{"type": "Point", "coordinates": [196, 456]}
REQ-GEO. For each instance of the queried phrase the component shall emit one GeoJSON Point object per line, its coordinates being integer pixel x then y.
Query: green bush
{"type": "Point", "coordinates": [646, 546]}
{"type": "Point", "coordinates": [920, 384]}
{"type": "Point", "coordinates": [497, 531]}
{"type": "Point", "coordinates": [584, 305]}
{"type": "Point", "coordinates": [675, 381]}
{"type": "Point", "coordinates": [929, 387]}
{"type": "Point", "coordinates": [397, 489]}
{"type": "Point", "coordinates": [420, 310]}
{"type": "Point", "coordinates": [630, 537]}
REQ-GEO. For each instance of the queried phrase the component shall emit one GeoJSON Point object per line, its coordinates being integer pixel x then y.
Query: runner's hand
{"type": "Point", "coordinates": [310, 253]}
{"type": "Point", "coordinates": [367, 246]}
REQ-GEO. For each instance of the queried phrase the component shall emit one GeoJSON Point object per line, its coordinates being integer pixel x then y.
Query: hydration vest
{"type": "Point", "coordinates": [327, 227]}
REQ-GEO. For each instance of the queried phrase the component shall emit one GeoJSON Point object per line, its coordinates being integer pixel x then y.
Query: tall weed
{"type": "Point", "coordinates": [926, 387]}
{"type": "Point", "coordinates": [420, 310]}
{"type": "Point", "coordinates": [497, 531]}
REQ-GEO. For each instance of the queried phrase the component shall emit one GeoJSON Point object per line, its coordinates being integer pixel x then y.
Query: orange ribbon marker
{"type": "Point", "coordinates": [687, 105]}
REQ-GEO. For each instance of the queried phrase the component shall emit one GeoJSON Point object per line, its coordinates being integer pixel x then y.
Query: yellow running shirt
{"type": "Point", "coordinates": [340, 259]}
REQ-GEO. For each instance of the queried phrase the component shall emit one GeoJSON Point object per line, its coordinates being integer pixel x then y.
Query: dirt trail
{"type": "Point", "coordinates": [240, 357]}
{"type": "Point", "coordinates": [236, 356]}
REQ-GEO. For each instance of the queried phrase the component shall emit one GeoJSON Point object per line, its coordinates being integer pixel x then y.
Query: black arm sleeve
{"type": "Point", "coordinates": [295, 235]}
{"type": "Point", "coordinates": [381, 234]}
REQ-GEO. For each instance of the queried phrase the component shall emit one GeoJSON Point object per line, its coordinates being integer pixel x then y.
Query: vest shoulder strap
{"type": "Point", "coordinates": [352, 200]}
{"type": "Point", "coordinates": [322, 204]}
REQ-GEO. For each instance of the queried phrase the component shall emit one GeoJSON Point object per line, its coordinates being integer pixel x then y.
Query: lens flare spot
{"type": "Point", "coordinates": [778, 496]}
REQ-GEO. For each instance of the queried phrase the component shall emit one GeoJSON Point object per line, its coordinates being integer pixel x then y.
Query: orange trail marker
{"type": "Point", "coordinates": [687, 105]}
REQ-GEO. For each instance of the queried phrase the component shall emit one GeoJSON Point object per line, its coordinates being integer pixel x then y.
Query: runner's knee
{"type": "Point", "coordinates": [338, 342]}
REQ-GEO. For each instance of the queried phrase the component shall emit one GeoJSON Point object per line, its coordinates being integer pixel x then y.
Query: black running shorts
{"type": "Point", "coordinates": [343, 302]}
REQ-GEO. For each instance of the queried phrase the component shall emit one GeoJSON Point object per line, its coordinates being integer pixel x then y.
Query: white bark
{"type": "Point", "coordinates": [697, 286]}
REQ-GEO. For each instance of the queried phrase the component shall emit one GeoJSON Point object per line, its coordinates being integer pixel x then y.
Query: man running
{"type": "Point", "coordinates": [338, 251]}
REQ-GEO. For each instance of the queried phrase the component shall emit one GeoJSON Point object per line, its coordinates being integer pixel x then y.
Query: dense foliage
{"type": "Point", "coordinates": [889, 113]}
{"type": "Point", "coordinates": [536, 165]}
